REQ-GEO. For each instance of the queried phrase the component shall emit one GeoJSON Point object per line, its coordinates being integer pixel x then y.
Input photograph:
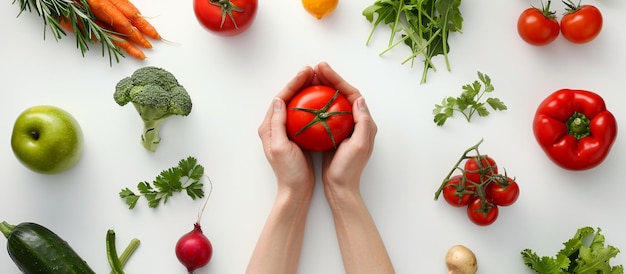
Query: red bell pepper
{"type": "Point", "coordinates": [575, 129]}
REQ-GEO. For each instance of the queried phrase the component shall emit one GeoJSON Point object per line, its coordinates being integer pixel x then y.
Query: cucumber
{"type": "Point", "coordinates": [37, 250]}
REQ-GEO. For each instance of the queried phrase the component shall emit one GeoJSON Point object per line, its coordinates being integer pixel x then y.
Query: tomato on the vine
{"type": "Point", "coordinates": [225, 17]}
{"type": "Point", "coordinates": [581, 24]}
{"type": "Point", "coordinates": [482, 212]}
{"type": "Point", "coordinates": [456, 193]}
{"type": "Point", "coordinates": [538, 26]}
{"type": "Point", "coordinates": [478, 171]}
{"type": "Point", "coordinates": [503, 193]}
{"type": "Point", "coordinates": [319, 118]}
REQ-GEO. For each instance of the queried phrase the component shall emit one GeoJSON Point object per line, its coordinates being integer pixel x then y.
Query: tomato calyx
{"type": "Point", "coordinates": [545, 10]}
{"type": "Point", "coordinates": [578, 125]}
{"type": "Point", "coordinates": [320, 116]}
{"type": "Point", "coordinates": [227, 7]}
{"type": "Point", "coordinates": [571, 7]}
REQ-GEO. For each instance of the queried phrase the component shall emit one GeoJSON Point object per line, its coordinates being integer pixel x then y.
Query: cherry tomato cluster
{"type": "Point", "coordinates": [579, 24]}
{"type": "Point", "coordinates": [479, 187]}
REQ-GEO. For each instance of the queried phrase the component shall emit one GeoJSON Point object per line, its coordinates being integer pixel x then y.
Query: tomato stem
{"type": "Point", "coordinates": [227, 8]}
{"type": "Point", "coordinates": [456, 166]}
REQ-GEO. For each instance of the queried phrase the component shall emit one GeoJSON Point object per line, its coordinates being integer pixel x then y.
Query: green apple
{"type": "Point", "coordinates": [47, 139]}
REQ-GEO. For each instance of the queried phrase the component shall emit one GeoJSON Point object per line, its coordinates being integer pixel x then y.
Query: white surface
{"type": "Point", "coordinates": [232, 81]}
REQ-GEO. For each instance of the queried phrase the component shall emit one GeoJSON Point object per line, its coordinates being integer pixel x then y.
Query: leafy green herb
{"type": "Point", "coordinates": [184, 177]}
{"type": "Point", "coordinates": [423, 25]}
{"type": "Point", "coordinates": [576, 257]}
{"type": "Point", "coordinates": [469, 102]}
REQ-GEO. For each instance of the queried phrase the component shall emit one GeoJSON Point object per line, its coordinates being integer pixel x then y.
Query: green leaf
{"type": "Point", "coordinates": [544, 264]}
{"type": "Point", "coordinates": [130, 197]}
{"type": "Point", "coordinates": [440, 118]}
{"type": "Point", "coordinates": [481, 110]}
{"type": "Point", "coordinates": [496, 104]}
{"type": "Point", "coordinates": [452, 19]}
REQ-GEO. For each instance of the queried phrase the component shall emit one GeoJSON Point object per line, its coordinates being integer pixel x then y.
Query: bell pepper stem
{"type": "Point", "coordinates": [578, 125]}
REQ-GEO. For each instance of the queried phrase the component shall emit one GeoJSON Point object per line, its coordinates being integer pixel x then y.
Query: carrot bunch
{"type": "Point", "coordinates": [124, 22]}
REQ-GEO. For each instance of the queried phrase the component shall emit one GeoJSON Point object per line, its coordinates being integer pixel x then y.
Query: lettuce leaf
{"type": "Point", "coordinates": [576, 257]}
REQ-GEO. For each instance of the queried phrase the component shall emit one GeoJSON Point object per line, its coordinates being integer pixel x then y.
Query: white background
{"type": "Point", "coordinates": [232, 81]}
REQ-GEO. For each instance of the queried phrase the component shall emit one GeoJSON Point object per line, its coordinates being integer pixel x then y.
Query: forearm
{"type": "Point", "coordinates": [361, 245]}
{"type": "Point", "coordinates": [280, 243]}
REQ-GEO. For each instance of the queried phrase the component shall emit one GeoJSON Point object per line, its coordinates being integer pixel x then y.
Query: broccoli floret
{"type": "Point", "coordinates": [156, 95]}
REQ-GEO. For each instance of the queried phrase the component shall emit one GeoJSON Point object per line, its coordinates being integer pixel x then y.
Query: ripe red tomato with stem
{"type": "Point", "coordinates": [225, 17]}
{"type": "Point", "coordinates": [458, 193]}
{"type": "Point", "coordinates": [319, 118]}
{"type": "Point", "coordinates": [503, 192]}
{"type": "Point", "coordinates": [482, 212]}
{"type": "Point", "coordinates": [581, 24]}
{"type": "Point", "coordinates": [479, 171]}
{"type": "Point", "coordinates": [538, 26]}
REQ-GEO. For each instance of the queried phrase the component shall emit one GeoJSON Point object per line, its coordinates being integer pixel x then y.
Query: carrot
{"type": "Point", "coordinates": [127, 8]}
{"type": "Point", "coordinates": [122, 43]}
{"type": "Point", "coordinates": [145, 27]}
{"type": "Point", "coordinates": [132, 12]}
{"type": "Point", "coordinates": [129, 48]}
{"type": "Point", "coordinates": [106, 12]}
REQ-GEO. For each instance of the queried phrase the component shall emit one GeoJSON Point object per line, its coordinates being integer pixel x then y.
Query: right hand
{"type": "Point", "coordinates": [292, 166]}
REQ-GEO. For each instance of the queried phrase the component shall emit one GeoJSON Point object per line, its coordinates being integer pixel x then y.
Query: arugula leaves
{"type": "Point", "coordinates": [186, 176]}
{"type": "Point", "coordinates": [469, 102]}
{"type": "Point", "coordinates": [576, 257]}
{"type": "Point", "coordinates": [423, 25]}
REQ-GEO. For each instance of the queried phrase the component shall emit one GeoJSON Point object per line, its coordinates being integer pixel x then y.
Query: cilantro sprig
{"type": "Point", "coordinates": [470, 101]}
{"type": "Point", "coordinates": [576, 257]}
{"type": "Point", "coordinates": [184, 177]}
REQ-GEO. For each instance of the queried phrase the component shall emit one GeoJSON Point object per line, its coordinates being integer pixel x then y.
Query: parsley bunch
{"type": "Point", "coordinates": [469, 102]}
{"type": "Point", "coordinates": [423, 25]}
{"type": "Point", "coordinates": [184, 177]}
{"type": "Point", "coordinates": [575, 257]}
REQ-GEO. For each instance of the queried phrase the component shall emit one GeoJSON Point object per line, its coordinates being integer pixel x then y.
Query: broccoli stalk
{"type": "Point", "coordinates": [156, 95]}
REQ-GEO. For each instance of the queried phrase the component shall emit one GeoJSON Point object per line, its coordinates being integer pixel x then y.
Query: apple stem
{"type": "Point", "coordinates": [34, 134]}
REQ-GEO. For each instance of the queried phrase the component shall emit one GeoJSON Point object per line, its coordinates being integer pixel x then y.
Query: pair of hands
{"type": "Point", "coordinates": [293, 167]}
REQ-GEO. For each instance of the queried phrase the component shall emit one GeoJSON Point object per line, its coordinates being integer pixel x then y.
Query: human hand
{"type": "Point", "coordinates": [342, 168]}
{"type": "Point", "coordinates": [292, 166]}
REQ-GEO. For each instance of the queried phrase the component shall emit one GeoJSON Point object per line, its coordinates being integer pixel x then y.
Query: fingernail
{"type": "Point", "coordinates": [278, 104]}
{"type": "Point", "coordinates": [360, 103]}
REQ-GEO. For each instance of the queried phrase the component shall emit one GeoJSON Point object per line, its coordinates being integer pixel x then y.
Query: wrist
{"type": "Point", "coordinates": [295, 192]}
{"type": "Point", "coordinates": [342, 192]}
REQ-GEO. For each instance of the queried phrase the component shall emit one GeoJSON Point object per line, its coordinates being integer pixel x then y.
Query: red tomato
{"type": "Point", "coordinates": [503, 194]}
{"type": "Point", "coordinates": [538, 27]}
{"type": "Point", "coordinates": [225, 17]}
{"type": "Point", "coordinates": [456, 194]}
{"type": "Point", "coordinates": [319, 118]}
{"type": "Point", "coordinates": [480, 171]}
{"type": "Point", "coordinates": [482, 214]}
{"type": "Point", "coordinates": [581, 24]}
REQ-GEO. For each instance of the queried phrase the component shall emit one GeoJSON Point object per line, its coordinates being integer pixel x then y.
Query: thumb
{"type": "Point", "coordinates": [279, 118]}
{"type": "Point", "coordinates": [364, 126]}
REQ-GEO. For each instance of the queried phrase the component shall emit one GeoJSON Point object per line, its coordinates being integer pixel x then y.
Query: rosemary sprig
{"type": "Point", "coordinates": [80, 17]}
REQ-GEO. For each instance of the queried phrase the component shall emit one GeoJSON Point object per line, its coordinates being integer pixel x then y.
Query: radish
{"type": "Point", "coordinates": [194, 250]}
